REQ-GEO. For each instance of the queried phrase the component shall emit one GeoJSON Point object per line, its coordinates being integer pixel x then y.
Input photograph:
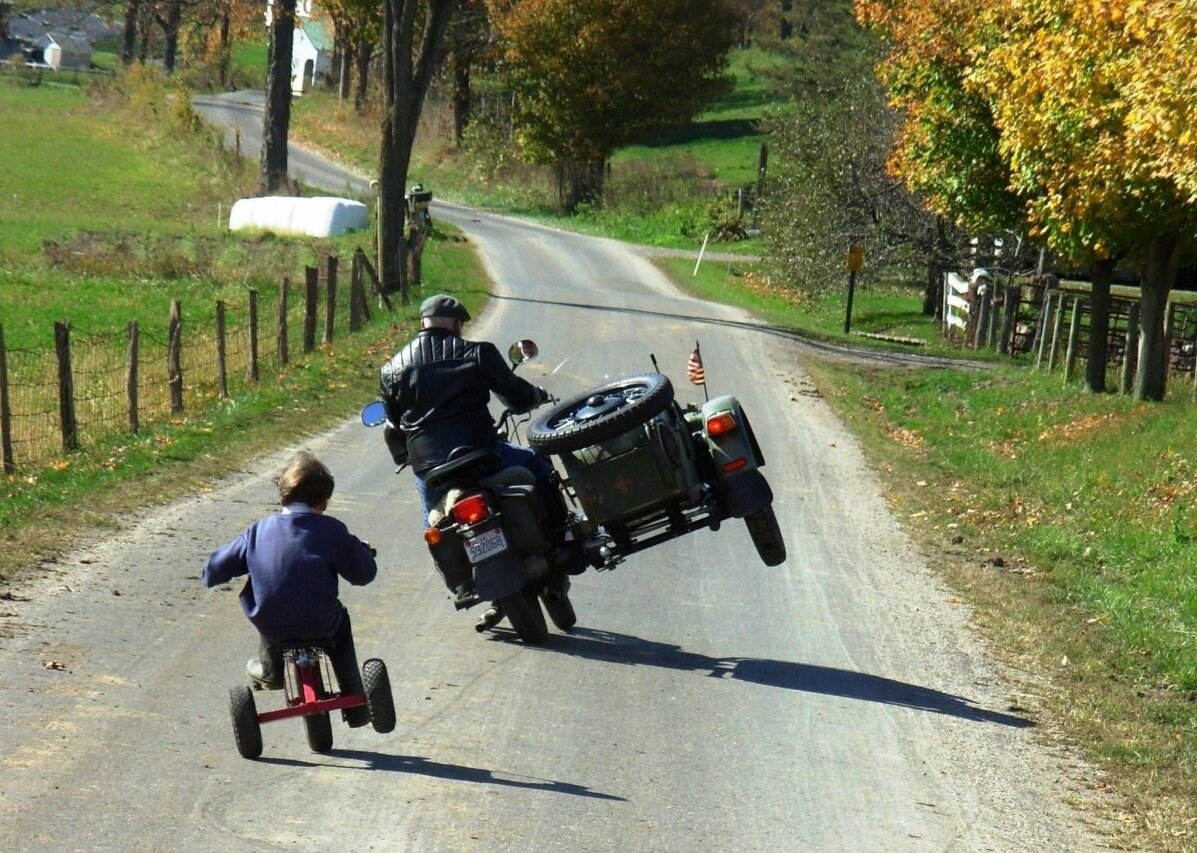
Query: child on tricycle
{"type": "Point", "coordinates": [294, 559]}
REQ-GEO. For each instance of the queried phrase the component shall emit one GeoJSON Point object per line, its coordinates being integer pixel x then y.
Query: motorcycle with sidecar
{"type": "Point", "coordinates": [634, 468]}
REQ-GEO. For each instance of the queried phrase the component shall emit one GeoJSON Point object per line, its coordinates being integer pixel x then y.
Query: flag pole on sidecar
{"type": "Point", "coordinates": [696, 372]}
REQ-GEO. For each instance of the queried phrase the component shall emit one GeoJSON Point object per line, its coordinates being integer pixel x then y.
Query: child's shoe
{"type": "Point", "coordinates": [262, 675]}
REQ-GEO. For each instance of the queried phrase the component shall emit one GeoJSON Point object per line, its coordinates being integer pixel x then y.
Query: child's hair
{"type": "Point", "coordinates": [305, 480]}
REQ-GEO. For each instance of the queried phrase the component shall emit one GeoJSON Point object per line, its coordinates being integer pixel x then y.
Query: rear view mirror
{"type": "Point", "coordinates": [374, 413]}
{"type": "Point", "coordinates": [522, 351]}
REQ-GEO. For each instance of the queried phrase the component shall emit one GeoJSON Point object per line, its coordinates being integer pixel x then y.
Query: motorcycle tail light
{"type": "Point", "coordinates": [720, 424]}
{"type": "Point", "coordinates": [433, 536]}
{"type": "Point", "coordinates": [471, 509]}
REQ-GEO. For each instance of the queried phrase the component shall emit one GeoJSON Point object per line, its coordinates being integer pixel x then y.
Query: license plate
{"type": "Point", "coordinates": [485, 544]}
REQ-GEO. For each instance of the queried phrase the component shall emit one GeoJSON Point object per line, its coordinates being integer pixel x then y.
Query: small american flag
{"type": "Point", "coordinates": [694, 369]}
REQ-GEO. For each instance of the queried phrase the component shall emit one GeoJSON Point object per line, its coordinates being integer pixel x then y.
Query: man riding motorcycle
{"type": "Point", "coordinates": [437, 390]}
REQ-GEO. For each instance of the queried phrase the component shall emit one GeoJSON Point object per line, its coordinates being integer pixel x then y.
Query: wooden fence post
{"type": "Point", "coordinates": [311, 291]}
{"type": "Point", "coordinates": [1013, 294]}
{"type": "Point", "coordinates": [5, 410]}
{"type": "Point", "coordinates": [1045, 319]}
{"type": "Point", "coordinates": [1074, 332]}
{"type": "Point", "coordinates": [281, 332]}
{"type": "Point", "coordinates": [131, 375]}
{"type": "Point", "coordinates": [222, 367]}
{"type": "Point", "coordinates": [66, 388]}
{"type": "Point", "coordinates": [1057, 328]}
{"type": "Point", "coordinates": [331, 309]}
{"type": "Point", "coordinates": [375, 283]}
{"type": "Point", "coordinates": [1130, 360]}
{"type": "Point", "coordinates": [174, 357]}
{"type": "Point", "coordinates": [355, 296]}
{"type": "Point", "coordinates": [251, 367]}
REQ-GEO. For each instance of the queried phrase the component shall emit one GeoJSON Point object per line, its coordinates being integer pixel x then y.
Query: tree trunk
{"type": "Point", "coordinates": [1152, 372]}
{"type": "Point", "coordinates": [362, 55]}
{"type": "Point", "coordinates": [170, 32]}
{"type": "Point", "coordinates": [277, 119]}
{"type": "Point", "coordinates": [129, 40]}
{"type": "Point", "coordinates": [461, 96]}
{"type": "Point", "coordinates": [786, 26]}
{"type": "Point", "coordinates": [408, 76]}
{"type": "Point", "coordinates": [580, 182]}
{"type": "Point", "coordinates": [226, 47]}
{"type": "Point", "coordinates": [1097, 347]}
{"type": "Point", "coordinates": [345, 68]}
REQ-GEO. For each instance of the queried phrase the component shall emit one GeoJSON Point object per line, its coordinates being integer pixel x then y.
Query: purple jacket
{"type": "Point", "coordinates": [293, 560]}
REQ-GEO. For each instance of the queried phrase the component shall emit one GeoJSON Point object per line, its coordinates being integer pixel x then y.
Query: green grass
{"type": "Point", "coordinates": [93, 176]}
{"type": "Point", "coordinates": [109, 229]}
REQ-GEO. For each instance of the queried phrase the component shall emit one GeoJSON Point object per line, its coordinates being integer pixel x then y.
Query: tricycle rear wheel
{"type": "Point", "coordinates": [246, 729]}
{"type": "Point", "coordinates": [378, 695]}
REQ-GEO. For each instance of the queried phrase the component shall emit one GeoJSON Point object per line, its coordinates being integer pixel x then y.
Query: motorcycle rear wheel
{"type": "Point", "coordinates": [522, 610]}
{"type": "Point", "coordinates": [766, 536]}
{"type": "Point", "coordinates": [616, 408]}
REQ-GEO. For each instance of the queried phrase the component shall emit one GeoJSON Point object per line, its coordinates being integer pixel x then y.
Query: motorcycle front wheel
{"type": "Point", "coordinates": [522, 610]}
{"type": "Point", "coordinates": [560, 608]}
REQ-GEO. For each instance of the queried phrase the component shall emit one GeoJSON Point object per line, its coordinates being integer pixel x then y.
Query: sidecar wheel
{"type": "Point", "coordinates": [601, 413]}
{"type": "Point", "coordinates": [246, 729]}
{"type": "Point", "coordinates": [378, 695]}
{"type": "Point", "coordinates": [522, 610]}
{"type": "Point", "coordinates": [766, 536]}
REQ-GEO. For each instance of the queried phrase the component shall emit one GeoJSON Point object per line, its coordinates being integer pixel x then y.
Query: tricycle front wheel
{"type": "Point", "coordinates": [319, 730]}
{"type": "Point", "coordinates": [246, 729]}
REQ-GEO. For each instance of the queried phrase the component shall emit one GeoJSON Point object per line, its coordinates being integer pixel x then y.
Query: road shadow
{"type": "Point", "coordinates": [419, 766]}
{"type": "Point", "coordinates": [867, 355]}
{"type": "Point", "coordinates": [786, 675]}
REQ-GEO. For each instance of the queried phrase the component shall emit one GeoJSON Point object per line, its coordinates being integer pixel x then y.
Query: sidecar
{"type": "Point", "coordinates": [643, 470]}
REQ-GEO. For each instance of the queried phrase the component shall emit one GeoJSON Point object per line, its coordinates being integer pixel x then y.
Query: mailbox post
{"type": "Point", "coordinates": [855, 262]}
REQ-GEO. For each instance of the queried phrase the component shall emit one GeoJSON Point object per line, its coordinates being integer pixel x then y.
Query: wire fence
{"type": "Point", "coordinates": [93, 385]}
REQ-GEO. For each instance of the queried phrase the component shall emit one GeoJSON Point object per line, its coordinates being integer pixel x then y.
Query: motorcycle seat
{"type": "Point", "coordinates": [472, 463]}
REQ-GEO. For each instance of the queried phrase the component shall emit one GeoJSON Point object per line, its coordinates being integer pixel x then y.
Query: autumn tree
{"type": "Point", "coordinates": [592, 76]}
{"type": "Point", "coordinates": [1097, 187]}
{"type": "Point", "coordinates": [1075, 104]}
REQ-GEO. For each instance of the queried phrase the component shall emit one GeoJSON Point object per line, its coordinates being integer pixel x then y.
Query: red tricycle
{"type": "Point", "coordinates": [308, 688]}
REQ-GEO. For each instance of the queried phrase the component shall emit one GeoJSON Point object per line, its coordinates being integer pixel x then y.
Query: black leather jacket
{"type": "Point", "coordinates": [437, 390]}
